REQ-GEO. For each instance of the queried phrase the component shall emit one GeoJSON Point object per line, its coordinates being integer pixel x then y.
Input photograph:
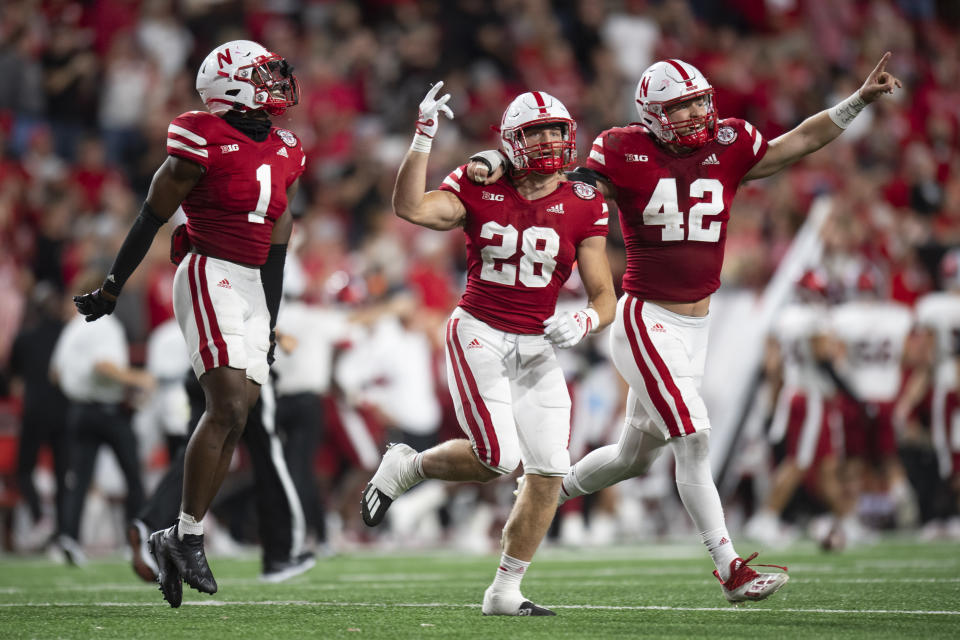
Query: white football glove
{"type": "Point", "coordinates": [489, 162]}
{"type": "Point", "coordinates": [428, 119]}
{"type": "Point", "coordinates": [567, 329]}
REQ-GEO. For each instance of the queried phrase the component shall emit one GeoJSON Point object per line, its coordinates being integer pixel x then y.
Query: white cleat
{"type": "Point", "coordinates": [395, 475]}
{"type": "Point", "coordinates": [510, 604]}
{"type": "Point", "coordinates": [746, 584]}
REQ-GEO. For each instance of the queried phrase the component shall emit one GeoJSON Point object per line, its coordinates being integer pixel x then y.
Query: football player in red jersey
{"type": "Point", "coordinates": [673, 176]}
{"type": "Point", "coordinates": [233, 173]}
{"type": "Point", "coordinates": [523, 235]}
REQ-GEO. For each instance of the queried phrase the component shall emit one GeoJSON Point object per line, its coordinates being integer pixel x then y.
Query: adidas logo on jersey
{"type": "Point", "coordinates": [225, 284]}
{"type": "Point", "coordinates": [658, 328]}
{"type": "Point", "coordinates": [555, 208]}
{"type": "Point", "coordinates": [474, 344]}
{"type": "Point", "coordinates": [711, 159]}
{"type": "Point", "coordinates": [282, 151]}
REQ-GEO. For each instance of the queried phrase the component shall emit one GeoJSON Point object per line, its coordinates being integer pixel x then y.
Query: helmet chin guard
{"type": "Point", "coordinates": [537, 109]}
{"type": "Point", "coordinates": [244, 76]}
{"type": "Point", "coordinates": [668, 83]}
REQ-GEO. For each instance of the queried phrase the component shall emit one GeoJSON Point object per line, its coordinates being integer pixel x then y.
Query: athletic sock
{"type": "Point", "coordinates": [509, 574]}
{"type": "Point", "coordinates": [188, 525]}
{"type": "Point", "coordinates": [721, 550]}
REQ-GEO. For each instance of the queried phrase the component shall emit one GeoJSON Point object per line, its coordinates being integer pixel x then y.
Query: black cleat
{"type": "Point", "coordinates": [167, 575]}
{"type": "Point", "coordinates": [279, 571]}
{"type": "Point", "coordinates": [189, 559]}
{"type": "Point", "coordinates": [374, 505]}
{"type": "Point", "coordinates": [530, 609]}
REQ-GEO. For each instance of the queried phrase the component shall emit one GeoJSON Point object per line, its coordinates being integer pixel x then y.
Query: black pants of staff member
{"type": "Point", "coordinates": [280, 516]}
{"type": "Point", "coordinates": [91, 425]}
{"type": "Point", "coordinates": [300, 425]}
{"type": "Point", "coordinates": [38, 429]}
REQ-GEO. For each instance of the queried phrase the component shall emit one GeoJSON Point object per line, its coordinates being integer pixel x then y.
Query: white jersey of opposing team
{"type": "Point", "coordinates": [795, 329]}
{"type": "Point", "coordinates": [873, 333]}
{"type": "Point", "coordinates": [940, 312]}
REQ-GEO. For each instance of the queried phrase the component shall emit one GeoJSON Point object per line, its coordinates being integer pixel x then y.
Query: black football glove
{"type": "Point", "coordinates": [271, 352]}
{"type": "Point", "coordinates": [94, 305]}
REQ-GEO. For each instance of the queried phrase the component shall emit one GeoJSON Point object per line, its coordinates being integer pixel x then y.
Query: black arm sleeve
{"type": "Point", "coordinates": [135, 246]}
{"type": "Point", "coordinates": [582, 174]}
{"type": "Point", "coordinates": [271, 274]}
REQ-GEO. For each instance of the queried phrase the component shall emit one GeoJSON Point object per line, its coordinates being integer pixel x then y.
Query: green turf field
{"type": "Point", "coordinates": [892, 590]}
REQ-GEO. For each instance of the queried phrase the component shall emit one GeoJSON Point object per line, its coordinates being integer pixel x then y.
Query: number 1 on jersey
{"type": "Point", "coordinates": [263, 202]}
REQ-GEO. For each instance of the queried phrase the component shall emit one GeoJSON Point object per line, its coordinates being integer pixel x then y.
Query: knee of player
{"type": "Point", "coordinates": [229, 412]}
{"type": "Point", "coordinates": [506, 464]}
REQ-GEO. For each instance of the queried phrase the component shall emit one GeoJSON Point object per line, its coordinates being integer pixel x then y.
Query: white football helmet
{"type": "Point", "coordinates": [670, 82]}
{"type": "Point", "coordinates": [244, 76]}
{"type": "Point", "coordinates": [534, 109]}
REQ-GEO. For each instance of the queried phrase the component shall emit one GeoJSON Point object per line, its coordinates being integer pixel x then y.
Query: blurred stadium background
{"type": "Point", "coordinates": [88, 88]}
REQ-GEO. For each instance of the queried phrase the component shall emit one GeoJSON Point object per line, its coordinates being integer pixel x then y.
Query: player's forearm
{"type": "Point", "coordinates": [411, 186]}
{"type": "Point", "coordinates": [134, 248]}
{"type": "Point", "coordinates": [604, 302]}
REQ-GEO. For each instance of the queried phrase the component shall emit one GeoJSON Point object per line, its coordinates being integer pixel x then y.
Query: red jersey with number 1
{"type": "Point", "coordinates": [231, 210]}
{"type": "Point", "coordinates": [674, 208]}
{"type": "Point", "coordinates": [519, 251]}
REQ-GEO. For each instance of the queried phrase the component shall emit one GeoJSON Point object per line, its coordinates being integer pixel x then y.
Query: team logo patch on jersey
{"type": "Point", "coordinates": [288, 138]}
{"type": "Point", "coordinates": [726, 135]}
{"type": "Point", "coordinates": [584, 191]}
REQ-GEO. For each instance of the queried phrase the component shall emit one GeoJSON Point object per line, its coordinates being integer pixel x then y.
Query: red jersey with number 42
{"type": "Point", "coordinates": [519, 251]}
{"type": "Point", "coordinates": [674, 208]}
{"type": "Point", "coordinates": [231, 210]}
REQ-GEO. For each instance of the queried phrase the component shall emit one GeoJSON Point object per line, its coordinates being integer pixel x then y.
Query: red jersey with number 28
{"type": "Point", "coordinates": [519, 251]}
{"type": "Point", "coordinates": [674, 208]}
{"type": "Point", "coordinates": [231, 210]}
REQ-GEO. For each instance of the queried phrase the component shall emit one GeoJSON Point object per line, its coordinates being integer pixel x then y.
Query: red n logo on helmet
{"type": "Point", "coordinates": [644, 84]}
{"type": "Point", "coordinates": [224, 56]}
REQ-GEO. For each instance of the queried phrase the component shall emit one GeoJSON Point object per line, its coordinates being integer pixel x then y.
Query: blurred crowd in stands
{"type": "Point", "coordinates": [88, 87]}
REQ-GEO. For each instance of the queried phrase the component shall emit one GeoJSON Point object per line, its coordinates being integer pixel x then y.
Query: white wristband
{"type": "Point", "coordinates": [594, 317]}
{"type": "Point", "coordinates": [421, 143]}
{"type": "Point", "coordinates": [843, 113]}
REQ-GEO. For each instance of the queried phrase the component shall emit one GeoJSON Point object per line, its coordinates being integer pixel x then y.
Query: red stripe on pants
{"type": "Point", "coordinates": [204, 344]}
{"type": "Point", "coordinates": [222, 355]}
{"type": "Point", "coordinates": [494, 455]}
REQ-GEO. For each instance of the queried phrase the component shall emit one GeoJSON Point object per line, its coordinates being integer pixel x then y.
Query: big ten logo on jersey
{"type": "Point", "coordinates": [229, 148]}
{"type": "Point", "coordinates": [663, 209]}
{"type": "Point", "coordinates": [539, 247]}
{"type": "Point", "coordinates": [496, 197]}
{"type": "Point", "coordinates": [635, 157]}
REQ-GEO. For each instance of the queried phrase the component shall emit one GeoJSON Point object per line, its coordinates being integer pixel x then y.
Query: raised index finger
{"type": "Point", "coordinates": [882, 65]}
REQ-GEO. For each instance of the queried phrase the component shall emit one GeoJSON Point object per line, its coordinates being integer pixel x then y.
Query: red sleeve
{"type": "Point", "coordinates": [186, 138]}
{"type": "Point", "coordinates": [750, 145]}
{"type": "Point", "coordinates": [596, 212]}
{"type": "Point", "coordinates": [601, 159]}
{"type": "Point", "coordinates": [455, 182]}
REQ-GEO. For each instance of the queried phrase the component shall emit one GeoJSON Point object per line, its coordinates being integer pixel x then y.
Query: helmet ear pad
{"type": "Point", "coordinates": [535, 109]}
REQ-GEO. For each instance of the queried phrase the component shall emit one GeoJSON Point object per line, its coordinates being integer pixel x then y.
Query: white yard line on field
{"type": "Point", "coordinates": [447, 605]}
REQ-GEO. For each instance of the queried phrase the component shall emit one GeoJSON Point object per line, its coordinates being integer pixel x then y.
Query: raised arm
{"type": "Point", "coordinates": [438, 209]}
{"type": "Point", "coordinates": [819, 129]}
{"type": "Point", "coordinates": [568, 328]}
{"type": "Point", "coordinates": [170, 186]}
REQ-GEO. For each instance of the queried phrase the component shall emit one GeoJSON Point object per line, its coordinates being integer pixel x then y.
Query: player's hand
{"type": "Point", "coordinates": [430, 109]}
{"type": "Point", "coordinates": [566, 329]}
{"type": "Point", "coordinates": [879, 82]}
{"type": "Point", "coordinates": [486, 167]}
{"type": "Point", "coordinates": [95, 305]}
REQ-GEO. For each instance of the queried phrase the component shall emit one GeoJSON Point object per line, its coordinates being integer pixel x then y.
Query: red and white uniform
{"type": "Point", "coordinates": [508, 388]}
{"type": "Point", "coordinates": [219, 303]}
{"type": "Point", "coordinates": [805, 410]}
{"type": "Point", "coordinates": [673, 212]}
{"type": "Point", "coordinates": [940, 312]}
{"type": "Point", "coordinates": [874, 333]}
